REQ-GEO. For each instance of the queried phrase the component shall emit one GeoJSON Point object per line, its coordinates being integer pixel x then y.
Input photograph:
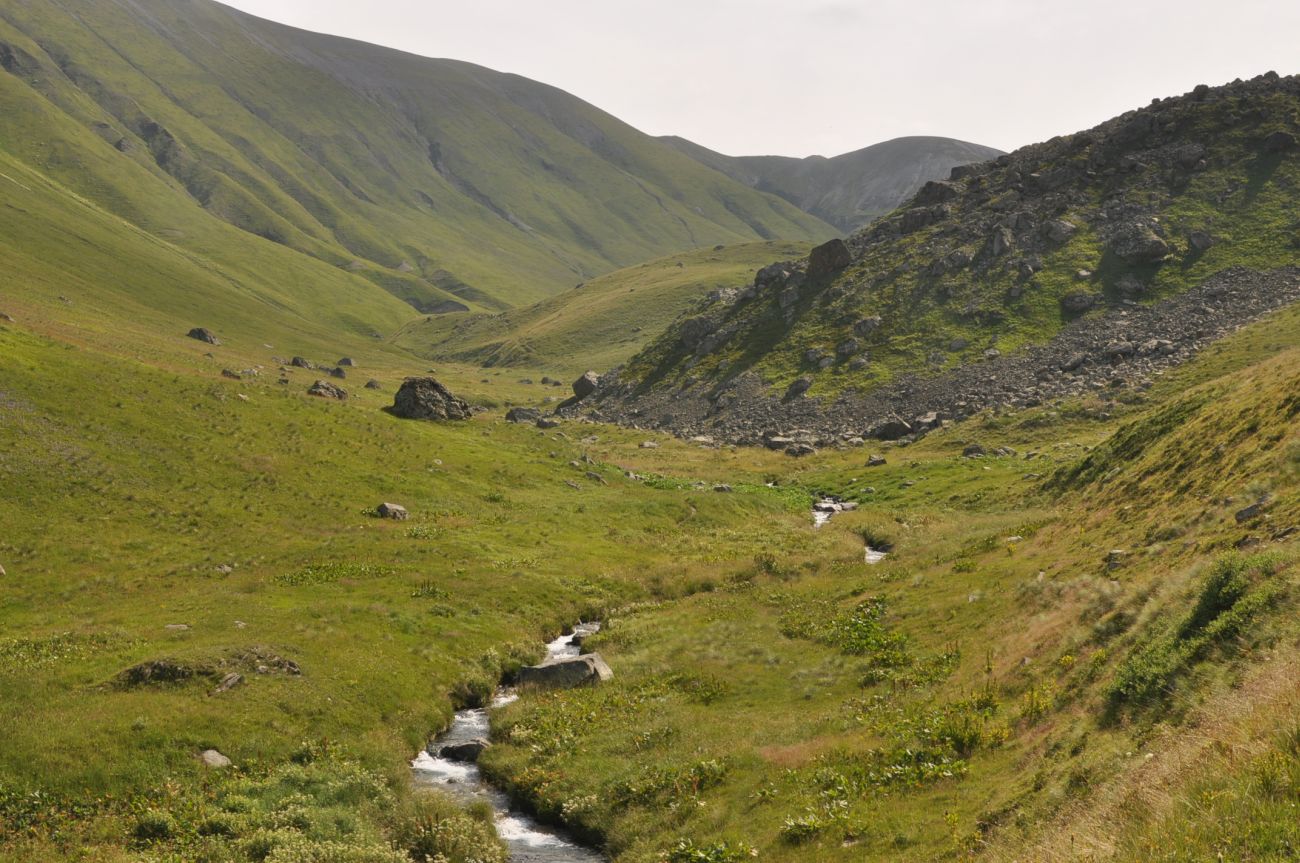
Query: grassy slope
{"type": "Point", "coordinates": [741, 717]}
{"type": "Point", "coordinates": [132, 471]}
{"type": "Point", "coordinates": [352, 153]}
{"type": "Point", "coordinates": [597, 325]}
{"type": "Point", "coordinates": [126, 486]}
{"type": "Point", "coordinates": [1245, 197]}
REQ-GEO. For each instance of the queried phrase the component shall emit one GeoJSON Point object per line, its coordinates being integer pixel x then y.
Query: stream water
{"type": "Point", "coordinates": [528, 841]}
{"type": "Point", "coordinates": [827, 507]}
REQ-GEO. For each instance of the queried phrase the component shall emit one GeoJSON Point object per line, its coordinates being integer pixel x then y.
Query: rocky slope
{"type": "Point", "coordinates": [848, 190]}
{"type": "Point", "coordinates": [1096, 256]}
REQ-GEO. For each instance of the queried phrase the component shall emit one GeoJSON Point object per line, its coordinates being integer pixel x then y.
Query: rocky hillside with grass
{"type": "Point", "coordinates": [852, 189]}
{"type": "Point", "coordinates": [1089, 261]}
{"type": "Point", "coordinates": [447, 185]}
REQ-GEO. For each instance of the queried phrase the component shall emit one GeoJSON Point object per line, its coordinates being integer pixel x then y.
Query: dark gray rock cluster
{"type": "Point", "coordinates": [1126, 346]}
{"type": "Point", "coordinates": [426, 399]}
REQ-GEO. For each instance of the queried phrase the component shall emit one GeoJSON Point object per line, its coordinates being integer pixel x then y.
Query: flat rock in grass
{"type": "Point", "coordinates": [567, 673]}
{"type": "Point", "coordinates": [205, 335]}
{"type": "Point", "coordinates": [523, 415]}
{"type": "Point", "coordinates": [229, 682]}
{"type": "Point", "coordinates": [1250, 512]}
{"type": "Point", "coordinates": [548, 423]}
{"type": "Point", "coordinates": [214, 760]}
{"type": "Point", "coordinates": [327, 390]}
{"type": "Point", "coordinates": [468, 751]}
{"type": "Point", "coordinates": [373, 385]}
{"type": "Point", "coordinates": [347, 361]}
{"type": "Point", "coordinates": [426, 399]}
{"type": "Point", "coordinates": [302, 363]}
{"type": "Point", "coordinates": [395, 511]}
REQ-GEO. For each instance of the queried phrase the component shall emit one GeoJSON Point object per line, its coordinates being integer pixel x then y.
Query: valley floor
{"type": "Point", "coordinates": [1081, 645]}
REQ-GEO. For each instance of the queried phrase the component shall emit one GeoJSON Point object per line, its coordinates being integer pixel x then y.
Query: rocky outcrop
{"type": "Point", "coordinates": [1094, 353]}
{"type": "Point", "coordinates": [1088, 224]}
{"type": "Point", "coordinates": [203, 334]}
{"type": "Point", "coordinates": [567, 673]}
{"type": "Point", "coordinates": [426, 399]}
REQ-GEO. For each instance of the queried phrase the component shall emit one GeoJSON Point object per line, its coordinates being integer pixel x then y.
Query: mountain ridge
{"type": "Point", "coordinates": [851, 189]}
{"type": "Point", "coordinates": [436, 180]}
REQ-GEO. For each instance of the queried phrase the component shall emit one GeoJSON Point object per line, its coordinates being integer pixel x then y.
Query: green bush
{"type": "Point", "coordinates": [432, 827]}
{"type": "Point", "coordinates": [686, 851]}
{"type": "Point", "coordinates": [153, 825]}
{"type": "Point", "coordinates": [1234, 592]}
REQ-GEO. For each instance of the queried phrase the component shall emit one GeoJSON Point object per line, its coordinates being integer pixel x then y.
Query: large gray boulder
{"type": "Point", "coordinates": [395, 511]}
{"type": "Point", "coordinates": [426, 399]}
{"type": "Point", "coordinates": [203, 334]}
{"type": "Point", "coordinates": [1078, 302]}
{"type": "Point", "coordinates": [890, 428]}
{"type": "Point", "coordinates": [567, 673]}
{"type": "Point", "coordinates": [1137, 243]}
{"type": "Point", "coordinates": [828, 258]}
{"type": "Point", "coordinates": [586, 385]}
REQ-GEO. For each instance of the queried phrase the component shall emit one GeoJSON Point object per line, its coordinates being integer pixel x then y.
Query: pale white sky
{"type": "Point", "coordinates": [798, 77]}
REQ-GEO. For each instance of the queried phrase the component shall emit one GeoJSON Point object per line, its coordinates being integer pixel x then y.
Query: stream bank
{"type": "Point", "coordinates": [528, 840]}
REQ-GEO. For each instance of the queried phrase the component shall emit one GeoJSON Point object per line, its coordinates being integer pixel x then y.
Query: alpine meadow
{"type": "Point", "coordinates": [403, 461]}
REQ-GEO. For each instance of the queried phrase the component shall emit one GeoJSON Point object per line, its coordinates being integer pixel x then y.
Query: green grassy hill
{"type": "Point", "coordinates": [438, 181]}
{"type": "Point", "coordinates": [598, 324]}
{"type": "Point", "coordinates": [852, 189]}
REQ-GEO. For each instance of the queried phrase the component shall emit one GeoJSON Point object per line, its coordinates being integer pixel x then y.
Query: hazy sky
{"type": "Point", "coordinates": [798, 77]}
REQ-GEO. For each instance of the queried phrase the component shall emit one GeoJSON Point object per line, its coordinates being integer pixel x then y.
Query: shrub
{"type": "Point", "coordinates": [153, 825]}
{"type": "Point", "coordinates": [432, 827]}
{"type": "Point", "coordinates": [686, 851]}
{"type": "Point", "coordinates": [1229, 598]}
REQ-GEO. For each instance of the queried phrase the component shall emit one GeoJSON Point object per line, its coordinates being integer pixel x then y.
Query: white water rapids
{"type": "Point", "coordinates": [528, 841]}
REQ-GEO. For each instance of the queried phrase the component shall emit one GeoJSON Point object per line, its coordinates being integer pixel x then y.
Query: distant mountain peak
{"type": "Point", "coordinates": [852, 189]}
